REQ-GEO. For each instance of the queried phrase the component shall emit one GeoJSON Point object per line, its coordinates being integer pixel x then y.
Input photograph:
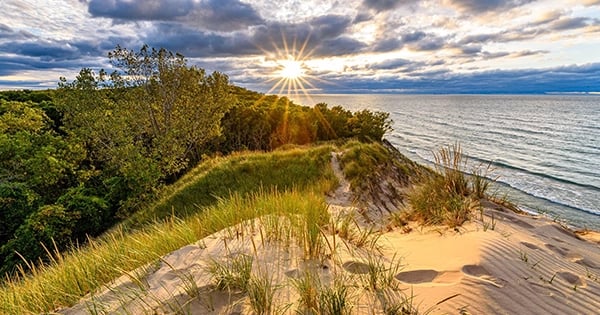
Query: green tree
{"type": "Point", "coordinates": [32, 153]}
{"type": "Point", "coordinates": [147, 123]}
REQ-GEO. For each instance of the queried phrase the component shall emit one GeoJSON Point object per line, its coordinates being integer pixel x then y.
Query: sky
{"type": "Point", "coordinates": [353, 46]}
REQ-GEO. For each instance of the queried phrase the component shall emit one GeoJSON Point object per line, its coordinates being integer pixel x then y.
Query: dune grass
{"type": "Point", "coordinates": [72, 275]}
{"type": "Point", "coordinates": [450, 195]}
{"type": "Point", "coordinates": [224, 192]}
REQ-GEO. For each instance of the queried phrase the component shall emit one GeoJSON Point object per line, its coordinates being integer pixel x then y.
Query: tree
{"type": "Point", "coordinates": [181, 107]}
{"type": "Point", "coordinates": [146, 123]}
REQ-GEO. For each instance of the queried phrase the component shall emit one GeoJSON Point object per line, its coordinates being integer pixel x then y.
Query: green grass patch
{"type": "Point", "coordinates": [243, 173]}
{"type": "Point", "coordinates": [360, 161]}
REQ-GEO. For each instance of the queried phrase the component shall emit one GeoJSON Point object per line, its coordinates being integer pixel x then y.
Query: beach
{"type": "Point", "coordinates": [500, 262]}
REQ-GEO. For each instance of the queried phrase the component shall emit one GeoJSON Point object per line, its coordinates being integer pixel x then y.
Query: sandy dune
{"type": "Point", "coordinates": [498, 263]}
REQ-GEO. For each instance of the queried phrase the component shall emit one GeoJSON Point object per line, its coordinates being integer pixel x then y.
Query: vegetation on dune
{"type": "Point", "coordinates": [365, 163]}
{"type": "Point", "coordinates": [77, 160]}
{"type": "Point", "coordinates": [69, 276]}
{"type": "Point", "coordinates": [450, 195]}
{"type": "Point", "coordinates": [243, 173]}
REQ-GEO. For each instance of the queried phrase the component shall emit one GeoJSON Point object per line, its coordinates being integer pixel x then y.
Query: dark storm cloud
{"type": "Point", "coordinates": [482, 6]}
{"type": "Point", "coordinates": [60, 50]}
{"type": "Point", "coordinates": [194, 43]}
{"type": "Point", "coordinates": [140, 9]}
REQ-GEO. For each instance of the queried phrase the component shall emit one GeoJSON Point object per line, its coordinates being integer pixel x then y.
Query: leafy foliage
{"type": "Point", "coordinates": [76, 160]}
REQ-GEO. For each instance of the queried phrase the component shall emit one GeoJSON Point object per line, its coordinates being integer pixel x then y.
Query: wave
{"type": "Point", "coordinates": [544, 175]}
{"type": "Point", "coordinates": [550, 200]}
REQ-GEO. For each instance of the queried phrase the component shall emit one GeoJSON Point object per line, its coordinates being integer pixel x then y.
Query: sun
{"type": "Point", "coordinates": [291, 69]}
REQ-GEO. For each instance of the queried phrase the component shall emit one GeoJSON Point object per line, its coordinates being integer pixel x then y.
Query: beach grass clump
{"type": "Point", "coordinates": [308, 288]}
{"type": "Point", "coordinates": [231, 274]}
{"type": "Point", "coordinates": [261, 291]}
{"type": "Point", "coordinates": [335, 299]}
{"type": "Point", "coordinates": [448, 196]}
{"type": "Point", "coordinates": [309, 225]}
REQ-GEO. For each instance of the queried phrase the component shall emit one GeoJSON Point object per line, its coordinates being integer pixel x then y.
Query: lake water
{"type": "Point", "coordinates": [545, 150]}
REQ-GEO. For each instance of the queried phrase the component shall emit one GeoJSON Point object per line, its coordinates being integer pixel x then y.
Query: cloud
{"type": "Point", "coordinates": [221, 15]}
{"type": "Point", "coordinates": [414, 36]}
{"type": "Point", "coordinates": [322, 35]}
{"type": "Point", "coordinates": [390, 64]}
{"type": "Point", "coordinates": [569, 23]}
{"type": "Point", "coordinates": [140, 9]}
{"type": "Point", "coordinates": [338, 47]}
{"type": "Point", "coordinates": [11, 65]}
{"type": "Point", "coordinates": [383, 5]}
{"type": "Point", "coordinates": [482, 6]}
{"type": "Point", "coordinates": [224, 15]}
{"type": "Point", "coordinates": [330, 26]}
{"type": "Point", "coordinates": [386, 45]}
{"type": "Point", "coordinates": [591, 2]}
{"type": "Point", "coordinates": [6, 32]}
{"type": "Point", "coordinates": [574, 78]}
{"type": "Point", "coordinates": [44, 49]}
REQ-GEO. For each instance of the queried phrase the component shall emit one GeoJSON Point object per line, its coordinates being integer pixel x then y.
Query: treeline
{"type": "Point", "coordinates": [76, 160]}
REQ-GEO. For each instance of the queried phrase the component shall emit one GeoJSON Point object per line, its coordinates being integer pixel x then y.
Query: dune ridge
{"type": "Point", "coordinates": [500, 262]}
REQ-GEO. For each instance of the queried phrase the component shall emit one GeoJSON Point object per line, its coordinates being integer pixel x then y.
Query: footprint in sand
{"type": "Point", "coordinates": [559, 250]}
{"type": "Point", "coordinates": [588, 263]}
{"type": "Point", "coordinates": [514, 220]}
{"type": "Point", "coordinates": [566, 253]}
{"type": "Point", "coordinates": [294, 273]}
{"type": "Point", "coordinates": [356, 267]}
{"type": "Point", "coordinates": [573, 257]}
{"type": "Point", "coordinates": [571, 278]}
{"type": "Point", "coordinates": [480, 273]}
{"type": "Point", "coordinates": [567, 232]}
{"type": "Point", "coordinates": [529, 245]}
{"type": "Point", "coordinates": [429, 276]}
{"type": "Point", "coordinates": [547, 290]}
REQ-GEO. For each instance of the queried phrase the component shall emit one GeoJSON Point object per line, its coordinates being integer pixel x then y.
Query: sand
{"type": "Point", "coordinates": [500, 262]}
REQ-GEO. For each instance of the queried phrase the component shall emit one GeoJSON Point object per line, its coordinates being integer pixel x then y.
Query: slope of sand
{"type": "Point", "coordinates": [499, 263]}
